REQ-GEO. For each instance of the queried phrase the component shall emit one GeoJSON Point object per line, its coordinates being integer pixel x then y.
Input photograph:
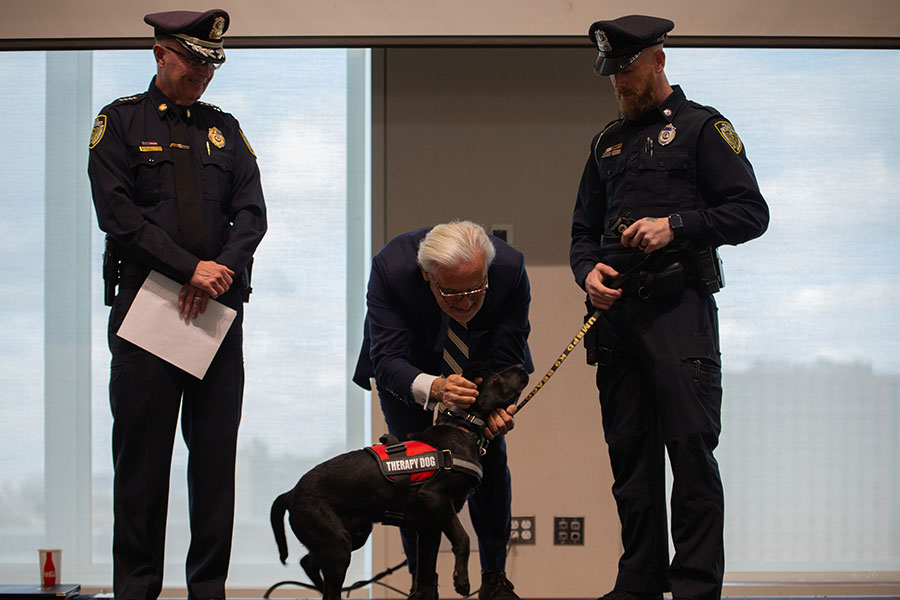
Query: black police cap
{"type": "Point", "coordinates": [621, 40]}
{"type": "Point", "coordinates": [199, 32]}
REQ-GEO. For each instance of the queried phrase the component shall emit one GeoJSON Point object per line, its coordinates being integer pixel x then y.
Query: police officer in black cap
{"type": "Point", "coordinates": [663, 187]}
{"type": "Point", "coordinates": [176, 188]}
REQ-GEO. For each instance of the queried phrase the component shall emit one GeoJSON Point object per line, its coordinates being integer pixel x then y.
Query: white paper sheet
{"type": "Point", "coordinates": [154, 323]}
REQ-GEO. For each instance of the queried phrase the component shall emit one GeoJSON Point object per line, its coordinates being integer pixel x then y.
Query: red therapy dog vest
{"type": "Point", "coordinates": [420, 461]}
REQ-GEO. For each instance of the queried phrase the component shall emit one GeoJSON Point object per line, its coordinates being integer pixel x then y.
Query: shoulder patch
{"type": "Point", "coordinates": [249, 147]}
{"type": "Point", "coordinates": [98, 130]}
{"type": "Point", "coordinates": [728, 134]}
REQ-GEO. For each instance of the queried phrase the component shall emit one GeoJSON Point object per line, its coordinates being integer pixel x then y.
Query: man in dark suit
{"type": "Point", "coordinates": [438, 298]}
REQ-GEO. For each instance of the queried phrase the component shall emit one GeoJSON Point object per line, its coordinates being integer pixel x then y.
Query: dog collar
{"type": "Point", "coordinates": [459, 413]}
{"type": "Point", "coordinates": [471, 423]}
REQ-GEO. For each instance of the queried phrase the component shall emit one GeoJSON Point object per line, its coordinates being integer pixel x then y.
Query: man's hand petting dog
{"type": "Point", "coordinates": [456, 390]}
{"type": "Point", "coordinates": [333, 506]}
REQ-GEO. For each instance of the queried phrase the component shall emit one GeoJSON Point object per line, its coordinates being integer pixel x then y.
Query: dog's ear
{"type": "Point", "coordinates": [499, 390]}
{"type": "Point", "coordinates": [475, 369]}
{"type": "Point", "coordinates": [515, 378]}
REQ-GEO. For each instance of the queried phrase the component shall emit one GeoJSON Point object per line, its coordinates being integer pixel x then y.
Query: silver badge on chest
{"type": "Point", "coordinates": [667, 134]}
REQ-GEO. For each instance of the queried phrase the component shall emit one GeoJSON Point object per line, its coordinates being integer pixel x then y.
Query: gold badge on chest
{"type": "Point", "coordinates": [667, 134]}
{"type": "Point", "coordinates": [216, 137]}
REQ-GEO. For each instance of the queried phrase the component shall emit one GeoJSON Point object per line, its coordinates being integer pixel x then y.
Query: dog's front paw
{"type": "Point", "coordinates": [461, 582]}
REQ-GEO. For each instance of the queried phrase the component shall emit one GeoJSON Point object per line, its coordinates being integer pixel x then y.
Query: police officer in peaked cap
{"type": "Point", "coordinates": [664, 186]}
{"type": "Point", "coordinates": [201, 34]}
{"type": "Point", "coordinates": [621, 41]}
{"type": "Point", "coordinates": [176, 189]}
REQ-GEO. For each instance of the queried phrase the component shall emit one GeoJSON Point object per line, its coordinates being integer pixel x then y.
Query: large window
{"type": "Point", "coordinates": [305, 112]}
{"type": "Point", "coordinates": [809, 315]}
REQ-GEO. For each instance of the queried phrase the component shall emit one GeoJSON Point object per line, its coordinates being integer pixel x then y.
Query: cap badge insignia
{"type": "Point", "coordinates": [602, 41]}
{"type": "Point", "coordinates": [730, 135]}
{"type": "Point", "coordinates": [216, 137]}
{"type": "Point", "coordinates": [98, 130]}
{"type": "Point", "coordinates": [218, 29]}
{"type": "Point", "coordinates": [667, 134]}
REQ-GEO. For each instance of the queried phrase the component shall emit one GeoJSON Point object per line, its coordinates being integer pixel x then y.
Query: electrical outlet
{"type": "Point", "coordinates": [504, 231]}
{"type": "Point", "coordinates": [521, 530]}
{"type": "Point", "coordinates": [568, 531]}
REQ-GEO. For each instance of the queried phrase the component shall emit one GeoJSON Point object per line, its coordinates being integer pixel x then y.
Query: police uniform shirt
{"type": "Point", "coordinates": [133, 183]}
{"type": "Point", "coordinates": [682, 158]}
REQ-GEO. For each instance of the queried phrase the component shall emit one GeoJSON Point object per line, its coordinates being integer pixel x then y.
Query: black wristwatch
{"type": "Point", "coordinates": [676, 225]}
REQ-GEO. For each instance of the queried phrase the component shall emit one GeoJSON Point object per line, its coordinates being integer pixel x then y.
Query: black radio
{"type": "Point", "coordinates": [709, 271]}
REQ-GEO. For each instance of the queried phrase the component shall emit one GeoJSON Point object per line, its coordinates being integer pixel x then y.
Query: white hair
{"type": "Point", "coordinates": [455, 243]}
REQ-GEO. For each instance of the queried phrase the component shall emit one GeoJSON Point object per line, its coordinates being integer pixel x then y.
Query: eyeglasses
{"type": "Point", "coordinates": [456, 295]}
{"type": "Point", "coordinates": [197, 63]}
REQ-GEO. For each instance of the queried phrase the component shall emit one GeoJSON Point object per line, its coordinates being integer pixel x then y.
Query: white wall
{"type": "Point", "coordinates": [123, 18]}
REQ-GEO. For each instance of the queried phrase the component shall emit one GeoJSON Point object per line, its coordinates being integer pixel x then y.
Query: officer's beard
{"type": "Point", "coordinates": [638, 103]}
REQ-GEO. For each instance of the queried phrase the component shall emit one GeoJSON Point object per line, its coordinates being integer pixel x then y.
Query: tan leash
{"type": "Point", "coordinates": [587, 325]}
{"type": "Point", "coordinates": [612, 284]}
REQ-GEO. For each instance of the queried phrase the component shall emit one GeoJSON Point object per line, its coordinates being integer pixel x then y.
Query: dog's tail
{"type": "Point", "coordinates": [279, 507]}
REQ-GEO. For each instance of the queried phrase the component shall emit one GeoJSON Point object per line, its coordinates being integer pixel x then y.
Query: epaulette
{"type": "Point", "coordinates": [599, 137]}
{"type": "Point", "coordinates": [130, 99]}
{"type": "Point", "coordinates": [213, 106]}
{"type": "Point", "coordinates": [709, 109]}
{"type": "Point", "coordinates": [607, 128]}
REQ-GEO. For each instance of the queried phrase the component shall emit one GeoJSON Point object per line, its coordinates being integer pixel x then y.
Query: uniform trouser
{"type": "Point", "coordinates": [661, 392]}
{"type": "Point", "coordinates": [489, 504]}
{"type": "Point", "coordinates": [145, 395]}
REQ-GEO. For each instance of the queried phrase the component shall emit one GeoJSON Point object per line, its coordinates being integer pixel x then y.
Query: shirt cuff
{"type": "Point", "coordinates": [421, 390]}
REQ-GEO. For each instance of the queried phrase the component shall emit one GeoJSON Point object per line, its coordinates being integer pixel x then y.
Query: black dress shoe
{"type": "Point", "coordinates": [495, 586]}
{"type": "Point", "coordinates": [623, 595]}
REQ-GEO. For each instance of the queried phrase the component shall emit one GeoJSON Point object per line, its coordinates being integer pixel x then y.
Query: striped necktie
{"type": "Point", "coordinates": [456, 348]}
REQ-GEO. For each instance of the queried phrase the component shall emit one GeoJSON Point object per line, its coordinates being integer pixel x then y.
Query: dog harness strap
{"type": "Point", "coordinates": [472, 468]}
{"type": "Point", "coordinates": [396, 513]}
{"type": "Point", "coordinates": [408, 464]}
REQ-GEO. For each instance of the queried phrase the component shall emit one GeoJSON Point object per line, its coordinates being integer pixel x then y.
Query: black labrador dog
{"type": "Point", "coordinates": [333, 506]}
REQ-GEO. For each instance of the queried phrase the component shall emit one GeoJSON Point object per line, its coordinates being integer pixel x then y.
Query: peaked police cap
{"type": "Point", "coordinates": [620, 41]}
{"type": "Point", "coordinates": [200, 33]}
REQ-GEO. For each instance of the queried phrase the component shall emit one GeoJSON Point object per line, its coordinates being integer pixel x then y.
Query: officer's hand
{"type": "Point", "coordinates": [601, 296]}
{"type": "Point", "coordinates": [500, 422]}
{"type": "Point", "coordinates": [455, 390]}
{"type": "Point", "coordinates": [192, 301]}
{"type": "Point", "coordinates": [648, 234]}
{"type": "Point", "coordinates": [212, 278]}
